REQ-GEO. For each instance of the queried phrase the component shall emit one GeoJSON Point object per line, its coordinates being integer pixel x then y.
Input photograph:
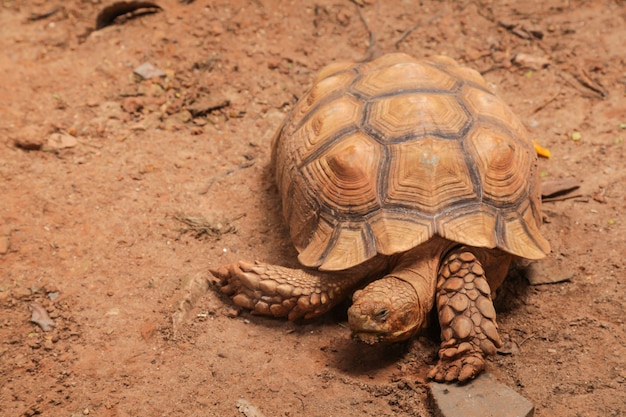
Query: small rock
{"type": "Point", "coordinates": [530, 61]}
{"type": "Point", "coordinates": [30, 138]}
{"type": "Point", "coordinates": [343, 17]}
{"type": "Point", "coordinates": [147, 330]}
{"type": "Point", "coordinates": [232, 312]}
{"type": "Point", "coordinates": [148, 71]}
{"type": "Point", "coordinates": [33, 343]}
{"type": "Point", "coordinates": [484, 396]}
{"type": "Point", "coordinates": [596, 197]}
{"type": "Point", "coordinates": [48, 345]}
{"type": "Point", "coordinates": [248, 409]}
{"type": "Point", "coordinates": [183, 116]}
{"type": "Point", "coordinates": [132, 104]}
{"type": "Point", "coordinates": [22, 292]}
{"type": "Point", "coordinates": [215, 28]}
{"type": "Point", "coordinates": [60, 141]}
{"type": "Point", "coordinates": [558, 187]}
{"type": "Point", "coordinates": [548, 271]}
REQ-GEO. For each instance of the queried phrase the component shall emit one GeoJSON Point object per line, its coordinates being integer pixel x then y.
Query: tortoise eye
{"type": "Point", "coordinates": [381, 315]}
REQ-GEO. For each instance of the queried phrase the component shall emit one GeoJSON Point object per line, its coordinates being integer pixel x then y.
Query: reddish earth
{"type": "Point", "coordinates": [99, 167]}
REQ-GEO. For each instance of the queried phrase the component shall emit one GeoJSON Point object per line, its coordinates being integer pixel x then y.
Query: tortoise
{"type": "Point", "coordinates": [409, 179]}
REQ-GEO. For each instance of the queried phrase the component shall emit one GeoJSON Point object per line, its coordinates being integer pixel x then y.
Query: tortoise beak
{"type": "Point", "coordinates": [369, 338]}
{"type": "Point", "coordinates": [371, 330]}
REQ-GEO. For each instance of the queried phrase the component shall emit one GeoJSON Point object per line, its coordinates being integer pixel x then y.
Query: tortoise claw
{"type": "Point", "coordinates": [277, 291]}
{"type": "Point", "coordinates": [461, 369]}
{"type": "Point", "coordinates": [220, 273]}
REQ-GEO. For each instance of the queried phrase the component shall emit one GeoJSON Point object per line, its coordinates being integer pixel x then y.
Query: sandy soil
{"type": "Point", "coordinates": [99, 167]}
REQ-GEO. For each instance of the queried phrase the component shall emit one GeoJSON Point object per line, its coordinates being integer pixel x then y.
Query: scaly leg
{"type": "Point", "coordinates": [284, 292]}
{"type": "Point", "coordinates": [467, 318]}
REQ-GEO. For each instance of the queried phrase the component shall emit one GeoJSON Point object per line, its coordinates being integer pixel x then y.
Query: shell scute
{"type": "Point", "coordinates": [379, 157]}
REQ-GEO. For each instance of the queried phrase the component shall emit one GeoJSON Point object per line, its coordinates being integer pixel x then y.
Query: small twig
{"type": "Point", "coordinates": [485, 11]}
{"type": "Point", "coordinates": [560, 198]}
{"type": "Point", "coordinates": [35, 16]}
{"type": "Point", "coordinates": [372, 51]}
{"type": "Point", "coordinates": [576, 87]}
{"type": "Point", "coordinates": [224, 174]}
{"type": "Point", "coordinates": [407, 32]}
{"type": "Point", "coordinates": [480, 56]}
{"type": "Point", "coordinates": [585, 81]}
{"type": "Point", "coordinates": [301, 403]}
{"type": "Point", "coordinates": [199, 112]}
{"type": "Point", "coordinates": [532, 336]}
{"type": "Point", "coordinates": [545, 103]}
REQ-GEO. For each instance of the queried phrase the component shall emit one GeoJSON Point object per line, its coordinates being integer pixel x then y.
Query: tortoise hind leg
{"type": "Point", "coordinates": [467, 318]}
{"type": "Point", "coordinates": [277, 291]}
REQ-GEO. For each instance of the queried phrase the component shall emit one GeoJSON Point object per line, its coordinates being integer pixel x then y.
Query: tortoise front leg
{"type": "Point", "coordinates": [467, 318]}
{"type": "Point", "coordinates": [277, 291]}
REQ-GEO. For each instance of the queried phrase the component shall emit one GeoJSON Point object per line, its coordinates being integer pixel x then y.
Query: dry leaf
{"type": "Point", "coordinates": [247, 409]}
{"type": "Point", "coordinates": [40, 317]}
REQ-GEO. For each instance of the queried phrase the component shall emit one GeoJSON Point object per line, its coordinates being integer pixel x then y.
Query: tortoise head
{"type": "Point", "coordinates": [387, 310]}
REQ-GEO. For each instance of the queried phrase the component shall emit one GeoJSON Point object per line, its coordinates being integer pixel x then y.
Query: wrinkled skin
{"type": "Point", "coordinates": [439, 273]}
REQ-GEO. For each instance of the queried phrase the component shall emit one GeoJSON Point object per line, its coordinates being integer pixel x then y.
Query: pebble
{"type": "Point", "coordinates": [148, 71]}
{"type": "Point", "coordinates": [22, 292]}
{"type": "Point", "coordinates": [233, 312]}
{"type": "Point", "coordinates": [248, 409]}
{"type": "Point", "coordinates": [533, 62]}
{"type": "Point", "coordinates": [484, 396]}
{"type": "Point", "coordinates": [61, 141]}
{"type": "Point", "coordinates": [548, 272]}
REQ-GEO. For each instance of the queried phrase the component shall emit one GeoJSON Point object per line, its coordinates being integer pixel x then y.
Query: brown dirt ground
{"type": "Point", "coordinates": [96, 167]}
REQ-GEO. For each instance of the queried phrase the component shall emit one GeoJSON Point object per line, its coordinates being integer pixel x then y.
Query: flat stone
{"type": "Point", "coordinates": [60, 141]}
{"type": "Point", "coordinates": [548, 271]}
{"type": "Point", "coordinates": [148, 71]}
{"type": "Point", "coordinates": [533, 62]}
{"type": "Point", "coordinates": [483, 397]}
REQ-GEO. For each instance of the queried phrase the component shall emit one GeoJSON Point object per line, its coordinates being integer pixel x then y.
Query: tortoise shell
{"type": "Point", "coordinates": [379, 157]}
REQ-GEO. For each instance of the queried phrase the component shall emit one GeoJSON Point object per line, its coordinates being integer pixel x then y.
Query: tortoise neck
{"type": "Point", "coordinates": [419, 267]}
